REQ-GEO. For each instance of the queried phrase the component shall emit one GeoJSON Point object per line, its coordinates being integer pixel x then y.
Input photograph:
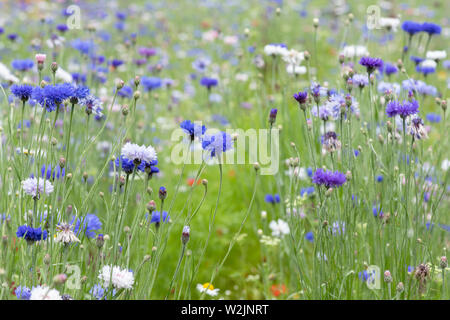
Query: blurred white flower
{"type": "Point", "coordinates": [279, 228]}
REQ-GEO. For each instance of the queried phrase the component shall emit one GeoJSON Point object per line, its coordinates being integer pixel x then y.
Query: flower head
{"type": "Point", "coordinates": [138, 154]}
{"type": "Point", "coordinates": [33, 188]}
{"type": "Point", "coordinates": [208, 289]}
{"type": "Point", "coordinates": [31, 234]}
{"type": "Point", "coordinates": [52, 96]}
{"type": "Point", "coordinates": [279, 228]}
{"type": "Point", "coordinates": [192, 129]}
{"type": "Point", "coordinates": [301, 97]}
{"type": "Point", "coordinates": [209, 82]}
{"type": "Point", "coordinates": [120, 278]}
{"type": "Point", "coordinates": [371, 63]}
{"type": "Point", "coordinates": [44, 293]}
{"type": "Point", "coordinates": [22, 91]}
{"type": "Point", "coordinates": [411, 27]}
{"type": "Point", "coordinates": [217, 143]}
{"type": "Point", "coordinates": [89, 224]}
{"type": "Point", "coordinates": [431, 28]}
{"type": "Point", "coordinates": [65, 234]}
{"type": "Point", "coordinates": [328, 178]}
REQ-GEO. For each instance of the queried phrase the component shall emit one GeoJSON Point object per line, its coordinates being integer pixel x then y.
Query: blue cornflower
{"type": "Point", "coordinates": [52, 96]}
{"type": "Point", "coordinates": [404, 109]}
{"type": "Point", "coordinates": [309, 236]}
{"type": "Point", "coordinates": [92, 104]}
{"type": "Point", "coordinates": [79, 93]}
{"type": "Point", "coordinates": [431, 28]}
{"type": "Point", "coordinates": [84, 46]}
{"type": "Point", "coordinates": [22, 65]}
{"type": "Point", "coordinates": [309, 171]}
{"type": "Point", "coordinates": [377, 211]}
{"type": "Point", "coordinates": [127, 164]}
{"type": "Point", "coordinates": [116, 63]}
{"type": "Point", "coordinates": [371, 63]}
{"type": "Point", "coordinates": [269, 198]}
{"type": "Point", "coordinates": [125, 92]}
{"type": "Point", "coordinates": [217, 143]}
{"type": "Point", "coordinates": [425, 70]}
{"type": "Point", "coordinates": [433, 117]}
{"type": "Point", "coordinates": [22, 91]}
{"type": "Point", "coordinates": [308, 191]}
{"type": "Point", "coordinates": [379, 178]}
{"type": "Point", "coordinates": [390, 69]}
{"type": "Point", "coordinates": [62, 27]}
{"type": "Point", "coordinates": [150, 168]}
{"type": "Point", "coordinates": [46, 171]}
{"type": "Point", "coordinates": [22, 293]}
{"type": "Point", "coordinates": [209, 82]}
{"type": "Point", "coordinates": [411, 27]}
{"type": "Point", "coordinates": [328, 178]}
{"type": "Point", "coordinates": [192, 129]}
{"type": "Point", "coordinates": [99, 293]}
{"type": "Point", "coordinates": [151, 83]}
{"type": "Point", "coordinates": [416, 60]}
{"type": "Point", "coordinates": [88, 225]}
{"type": "Point", "coordinates": [31, 234]}
{"type": "Point", "coordinates": [301, 97]}
{"type": "Point", "coordinates": [156, 217]}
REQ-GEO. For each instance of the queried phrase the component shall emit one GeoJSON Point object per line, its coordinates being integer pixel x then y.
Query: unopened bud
{"type": "Point", "coordinates": [185, 235]}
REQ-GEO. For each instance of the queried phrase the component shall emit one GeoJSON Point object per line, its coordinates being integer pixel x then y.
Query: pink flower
{"type": "Point", "coordinates": [40, 57]}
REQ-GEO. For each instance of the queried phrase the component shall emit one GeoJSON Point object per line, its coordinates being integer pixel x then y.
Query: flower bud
{"type": "Point", "coordinates": [151, 206]}
{"type": "Point", "coordinates": [100, 241]}
{"type": "Point", "coordinates": [162, 193]}
{"type": "Point", "coordinates": [387, 276]}
{"type": "Point", "coordinates": [54, 67]}
{"type": "Point", "coordinates": [59, 279]}
{"type": "Point", "coordinates": [185, 235]}
{"type": "Point", "coordinates": [443, 263]}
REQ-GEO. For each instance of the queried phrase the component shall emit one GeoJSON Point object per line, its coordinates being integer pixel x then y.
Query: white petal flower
{"type": "Point", "coordinates": [120, 278]}
{"type": "Point", "coordinates": [208, 289]}
{"type": "Point", "coordinates": [33, 188]}
{"type": "Point", "coordinates": [279, 228]}
{"type": "Point", "coordinates": [44, 293]}
{"type": "Point", "coordinates": [436, 55]}
{"type": "Point", "coordinates": [134, 152]}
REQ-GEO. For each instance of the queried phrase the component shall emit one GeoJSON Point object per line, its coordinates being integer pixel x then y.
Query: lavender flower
{"type": "Point", "coordinates": [371, 63]}
{"type": "Point", "coordinates": [328, 178]}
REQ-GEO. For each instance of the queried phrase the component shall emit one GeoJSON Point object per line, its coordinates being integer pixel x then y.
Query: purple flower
{"type": "Point", "coordinates": [192, 129]}
{"type": "Point", "coordinates": [216, 144]}
{"type": "Point", "coordinates": [411, 27]}
{"type": "Point", "coordinates": [371, 63]}
{"type": "Point", "coordinates": [404, 109]}
{"type": "Point", "coordinates": [209, 82]}
{"type": "Point", "coordinates": [328, 178]}
{"type": "Point", "coordinates": [301, 97]}
{"type": "Point", "coordinates": [22, 65]}
{"type": "Point", "coordinates": [389, 69]}
{"type": "Point", "coordinates": [431, 28]}
{"type": "Point", "coordinates": [31, 234]}
{"type": "Point", "coordinates": [23, 92]}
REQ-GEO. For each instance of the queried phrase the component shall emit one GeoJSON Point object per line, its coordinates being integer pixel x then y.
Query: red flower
{"type": "Point", "coordinates": [278, 289]}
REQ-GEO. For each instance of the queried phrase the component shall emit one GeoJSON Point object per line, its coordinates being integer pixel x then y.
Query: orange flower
{"type": "Point", "coordinates": [278, 289]}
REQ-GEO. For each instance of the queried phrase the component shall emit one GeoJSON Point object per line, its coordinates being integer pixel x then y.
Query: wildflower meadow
{"type": "Point", "coordinates": [232, 150]}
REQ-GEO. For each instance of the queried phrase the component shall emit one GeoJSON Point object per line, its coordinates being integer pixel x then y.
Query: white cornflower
{"type": "Point", "coordinates": [137, 154]}
{"type": "Point", "coordinates": [279, 228]}
{"type": "Point", "coordinates": [294, 69]}
{"type": "Point", "coordinates": [208, 289]}
{"type": "Point", "coordinates": [44, 293]}
{"type": "Point", "coordinates": [389, 23]}
{"type": "Point", "coordinates": [354, 51]}
{"type": "Point", "coordinates": [30, 186]}
{"type": "Point", "coordinates": [6, 74]}
{"type": "Point", "coordinates": [65, 234]}
{"type": "Point", "coordinates": [120, 278]}
{"type": "Point", "coordinates": [275, 50]}
{"type": "Point", "coordinates": [445, 165]}
{"type": "Point", "coordinates": [436, 55]}
{"type": "Point", "coordinates": [428, 64]}
{"type": "Point", "coordinates": [294, 57]}
{"type": "Point", "coordinates": [63, 75]}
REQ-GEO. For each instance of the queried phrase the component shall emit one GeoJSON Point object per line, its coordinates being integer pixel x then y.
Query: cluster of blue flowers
{"type": "Point", "coordinates": [412, 27]}
{"type": "Point", "coordinates": [31, 234]}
